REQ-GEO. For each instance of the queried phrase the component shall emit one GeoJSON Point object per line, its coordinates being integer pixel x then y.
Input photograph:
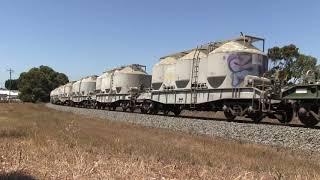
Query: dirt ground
{"type": "Point", "coordinates": [41, 143]}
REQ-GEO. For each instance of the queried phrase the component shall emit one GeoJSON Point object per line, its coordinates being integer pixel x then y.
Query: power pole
{"type": "Point", "coordinates": [10, 82]}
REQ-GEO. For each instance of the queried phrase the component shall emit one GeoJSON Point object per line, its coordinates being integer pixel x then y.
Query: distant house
{"type": "Point", "coordinates": [5, 94]}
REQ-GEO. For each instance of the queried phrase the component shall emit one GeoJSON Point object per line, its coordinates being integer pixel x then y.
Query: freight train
{"type": "Point", "coordinates": [223, 76]}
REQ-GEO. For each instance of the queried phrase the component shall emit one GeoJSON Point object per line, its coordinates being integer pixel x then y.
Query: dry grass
{"type": "Point", "coordinates": [37, 142]}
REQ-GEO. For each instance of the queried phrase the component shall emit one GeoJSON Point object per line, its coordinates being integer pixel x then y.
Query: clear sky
{"type": "Point", "coordinates": [85, 37]}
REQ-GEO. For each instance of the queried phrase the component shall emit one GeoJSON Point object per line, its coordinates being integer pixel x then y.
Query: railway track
{"type": "Point", "coordinates": [292, 136]}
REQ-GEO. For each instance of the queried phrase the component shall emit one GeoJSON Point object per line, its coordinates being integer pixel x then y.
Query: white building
{"type": "Point", "coordinates": [5, 94]}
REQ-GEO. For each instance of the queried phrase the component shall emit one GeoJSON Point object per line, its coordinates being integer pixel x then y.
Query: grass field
{"type": "Point", "coordinates": [40, 143]}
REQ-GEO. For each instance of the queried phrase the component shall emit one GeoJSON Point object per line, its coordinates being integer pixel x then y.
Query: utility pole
{"type": "Point", "coordinates": [10, 82]}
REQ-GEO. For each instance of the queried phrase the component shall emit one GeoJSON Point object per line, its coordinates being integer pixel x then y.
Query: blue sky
{"type": "Point", "coordinates": [85, 37]}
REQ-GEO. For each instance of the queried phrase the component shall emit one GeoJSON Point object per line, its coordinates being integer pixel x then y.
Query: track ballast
{"type": "Point", "coordinates": [292, 135]}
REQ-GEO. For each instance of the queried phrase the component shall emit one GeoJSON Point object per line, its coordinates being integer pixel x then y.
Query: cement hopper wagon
{"type": "Point", "coordinates": [54, 96]}
{"type": "Point", "coordinates": [59, 94]}
{"type": "Point", "coordinates": [66, 93]}
{"type": "Point", "coordinates": [219, 76]}
{"type": "Point", "coordinates": [82, 89]}
{"type": "Point", "coordinates": [119, 83]}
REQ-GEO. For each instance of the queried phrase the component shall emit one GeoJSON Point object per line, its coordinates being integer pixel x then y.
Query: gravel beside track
{"type": "Point", "coordinates": [299, 138]}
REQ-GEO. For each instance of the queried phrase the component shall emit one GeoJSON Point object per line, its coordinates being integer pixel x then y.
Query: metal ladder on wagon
{"type": "Point", "coordinates": [194, 77]}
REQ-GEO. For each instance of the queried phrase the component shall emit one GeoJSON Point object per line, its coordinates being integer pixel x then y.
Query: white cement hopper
{"type": "Point", "coordinates": [53, 93]}
{"type": "Point", "coordinates": [76, 88]}
{"type": "Point", "coordinates": [163, 73]}
{"type": "Point", "coordinates": [60, 90]}
{"type": "Point", "coordinates": [183, 68]}
{"type": "Point", "coordinates": [88, 85]}
{"type": "Point", "coordinates": [132, 76]}
{"type": "Point", "coordinates": [229, 64]}
{"type": "Point", "coordinates": [169, 76]}
{"type": "Point", "coordinates": [56, 92]}
{"type": "Point", "coordinates": [99, 81]}
{"type": "Point", "coordinates": [68, 89]}
{"type": "Point", "coordinates": [106, 82]}
{"type": "Point", "coordinates": [157, 76]}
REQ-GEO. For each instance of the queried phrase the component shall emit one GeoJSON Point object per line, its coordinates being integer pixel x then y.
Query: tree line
{"type": "Point", "coordinates": [289, 65]}
{"type": "Point", "coordinates": [286, 64]}
{"type": "Point", "coordinates": [36, 84]}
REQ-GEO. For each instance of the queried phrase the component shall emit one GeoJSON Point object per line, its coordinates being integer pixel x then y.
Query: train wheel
{"type": "Point", "coordinates": [143, 111]}
{"type": "Point", "coordinates": [154, 108]}
{"type": "Point", "coordinates": [177, 111]}
{"type": "Point", "coordinates": [257, 117]}
{"type": "Point", "coordinates": [155, 111]}
{"type": "Point", "coordinates": [286, 115]}
{"type": "Point", "coordinates": [145, 107]}
{"type": "Point", "coordinates": [124, 107]}
{"type": "Point", "coordinates": [166, 112]}
{"type": "Point", "coordinates": [228, 114]}
{"type": "Point", "coordinates": [88, 105]}
{"type": "Point", "coordinates": [307, 119]}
